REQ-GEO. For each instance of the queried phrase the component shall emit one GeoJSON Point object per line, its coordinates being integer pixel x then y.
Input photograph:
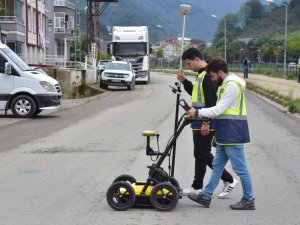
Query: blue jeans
{"type": "Point", "coordinates": [245, 73]}
{"type": "Point", "coordinates": [236, 155]}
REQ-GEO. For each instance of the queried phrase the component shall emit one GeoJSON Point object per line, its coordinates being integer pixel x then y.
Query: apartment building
{"type": "Point", "coordinates": [23, 21]}
{"type": "Point", "coordinates": [172, 46]}
{"type": "Point", "coordinates": [60, 27]}
{"type": "Point", "coordinates": [38, 29]}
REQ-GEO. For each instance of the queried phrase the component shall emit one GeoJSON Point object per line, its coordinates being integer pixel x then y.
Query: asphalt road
{"type": "Point", "coordinates": [56, 168]}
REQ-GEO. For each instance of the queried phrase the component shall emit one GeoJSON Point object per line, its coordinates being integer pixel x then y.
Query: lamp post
{"type": "Point", "coordinates": [225, 36]}
{"type": "Point", "coordinates": [184, 9]}
{"type": "Point", "coordinates": [168, 46]}
{"type": "Point", "coordinates": [285, 33]}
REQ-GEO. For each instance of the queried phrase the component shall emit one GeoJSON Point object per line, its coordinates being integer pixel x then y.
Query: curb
{"type": "Point", "coordinates": [277, 105]}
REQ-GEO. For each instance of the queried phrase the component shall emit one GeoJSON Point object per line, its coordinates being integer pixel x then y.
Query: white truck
{"type": "Point", "coordinates": [24, 90]}
{"type": "Point", "coordinates": [131, 44]}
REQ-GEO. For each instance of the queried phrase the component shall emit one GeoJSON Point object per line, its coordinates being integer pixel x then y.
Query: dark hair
{"type": "Point", "coordinates": [191, 53]}
{"type": "Point", "coordinates": [216, 64]}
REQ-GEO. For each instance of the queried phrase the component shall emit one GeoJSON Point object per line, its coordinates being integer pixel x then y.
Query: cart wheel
{"type": "Point", "coordinates": [120, 196]}
{"type": "Point", "coordinates": [164, 196]}
{"type": "Point", "coordinates": [125, 178]}
{"type": "Point", "coordinates": [174, 182]}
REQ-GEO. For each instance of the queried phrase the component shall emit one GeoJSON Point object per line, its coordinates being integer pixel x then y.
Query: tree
{"type": "Point", "coordinates": [159, 53]}
{"type": "Point", "coordinates": [252, 11]}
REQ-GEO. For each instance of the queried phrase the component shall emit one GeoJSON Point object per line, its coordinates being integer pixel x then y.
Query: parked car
{"type": "Point", "coordinates": [118, 73]}
{"type": "Point", "coordinates": [24, 91]}
{"type": "Point", "coordinates": [292, 65]}
{"type": "Point", "coordinates": [101, 65]}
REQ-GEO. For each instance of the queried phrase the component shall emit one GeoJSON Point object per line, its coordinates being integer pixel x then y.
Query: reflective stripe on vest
{"type": "Point", "coordinates": [198, 100]}
{"type": "Point", "coordinates": [232, 126]}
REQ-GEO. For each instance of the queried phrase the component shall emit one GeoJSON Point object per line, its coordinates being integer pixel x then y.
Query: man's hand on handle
{"type": "Point", "coordinates": [191, 112]}
{"type": "Point", "coordinates": [180, 75]}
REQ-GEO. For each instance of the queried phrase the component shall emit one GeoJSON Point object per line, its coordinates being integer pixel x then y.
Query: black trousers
{"type": "Point", "coordinates": [203, 158]}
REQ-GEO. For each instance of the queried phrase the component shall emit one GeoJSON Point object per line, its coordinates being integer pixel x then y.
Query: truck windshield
{"type": "Point", "coordinates": [16, 59]}
{"type": "Point", "coordinates": [129, 49]}
{"type": "Point", "coordinates": [117, 66]}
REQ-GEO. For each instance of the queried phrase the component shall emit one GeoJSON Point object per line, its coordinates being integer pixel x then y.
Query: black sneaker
{"type": "Point", "coordinates": [201, 199]}
{"type": "Point", "coordinates": [244, 204]}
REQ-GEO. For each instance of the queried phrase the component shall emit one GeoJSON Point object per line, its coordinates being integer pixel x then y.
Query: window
{"type": "Point", "coordinates": [19, 5]}
{"type": "Point", "coordinates": [34, 20]}
{"type": "Point", "coordinates": [59, 22]}
{"type": "Point", "coordinates": [29, 19]}
{"type": "Point", "coordinates": [2, 64]}
{"type": "Point", "coordinates": [70, 24]}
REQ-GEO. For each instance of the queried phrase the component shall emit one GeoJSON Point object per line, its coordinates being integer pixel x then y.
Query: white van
{"type": "Point", "coordinates": [22, 89]}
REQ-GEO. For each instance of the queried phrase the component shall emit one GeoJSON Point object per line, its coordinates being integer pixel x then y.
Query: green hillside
{"type": "Point", "coordinates": [273, 24]}
{"type": "Point", "coordinates": [258, 32]}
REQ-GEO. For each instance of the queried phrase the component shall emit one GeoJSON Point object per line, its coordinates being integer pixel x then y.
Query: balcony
{"type": "Point", "coordinates": [11, 19]}
{"type": "Point", "coordinates": [64, 3]}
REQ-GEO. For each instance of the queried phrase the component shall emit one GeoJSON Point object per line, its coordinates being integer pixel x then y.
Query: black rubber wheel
{"type": "Point", "coordinates": [125, 178]}
{"type": "Point", "coordinates": [120, 196]}
{"type": "Point", "coordinates": [23, 106]}
{"type": "Point", "coordinates": [102, 85]}
{"type": "Point", "coordinates": [131, 86]}
{"type": "Point", "coordinates": [164, 196]}
{"type": "Point", "coordinates": [174, 182]}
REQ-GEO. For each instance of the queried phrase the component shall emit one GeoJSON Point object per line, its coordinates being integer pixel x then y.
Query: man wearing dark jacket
{"type": "Point", "coordinates": [203, 92]}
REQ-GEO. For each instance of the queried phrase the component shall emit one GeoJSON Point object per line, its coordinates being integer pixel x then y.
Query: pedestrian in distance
{"type": "Point", "coordinates": [299, 70]}
{"type": "Point", "coordinates": [231, 133]}
{"type": "Point", "coordinates": [246, 66]}
{"type": "Point", "coordinates": [203, 92]}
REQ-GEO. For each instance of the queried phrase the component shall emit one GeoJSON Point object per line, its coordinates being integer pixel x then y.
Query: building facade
{"type": "Point", "coordinates": [23, 21]}
{"type": "Point", "coordinates": [172, 47]}
{"type": "Point", "coordinates": [60, 27]}
{"type": "Point", "coordinates": [38, 29]}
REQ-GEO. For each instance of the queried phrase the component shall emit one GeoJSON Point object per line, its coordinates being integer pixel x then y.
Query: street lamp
{"type": "Point", "coordinates": [168, 46]}
{"type": "Point", "coordinates": [241, 54]}
{"type": "Point", "coordinates": [184, 9]}
{"type": "Point", "coordinates": [285, 33]}
{"type": "Point", "coordinates": [225, 41]}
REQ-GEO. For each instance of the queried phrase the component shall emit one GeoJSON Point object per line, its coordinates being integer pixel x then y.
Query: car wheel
{"type": "Point", "coordinates": [131, 85]}
{"type": "Point", "coordinates": [102, 85]}
{"type": "Point", "coordinates": [23, 106]}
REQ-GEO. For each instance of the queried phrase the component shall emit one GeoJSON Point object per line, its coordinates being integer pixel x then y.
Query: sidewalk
{"type": "Point", "coordinates": [284, 87]}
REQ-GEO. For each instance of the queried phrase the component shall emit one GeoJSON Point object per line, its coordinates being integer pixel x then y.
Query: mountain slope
{"type": "Point", "coordinates": [199, 23]}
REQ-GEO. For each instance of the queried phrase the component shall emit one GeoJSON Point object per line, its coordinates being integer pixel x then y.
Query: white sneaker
{"type": "Point", "coordinates": [190, 190]}
{"type": "Point", "coordinates": [228, 187]}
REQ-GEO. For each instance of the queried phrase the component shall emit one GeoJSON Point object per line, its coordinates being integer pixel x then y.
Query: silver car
{"type": "Point", "coordinates": [118, 73]}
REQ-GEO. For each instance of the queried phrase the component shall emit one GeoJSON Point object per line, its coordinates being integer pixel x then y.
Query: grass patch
{"type": "Point", "coordinates": [292, 104]}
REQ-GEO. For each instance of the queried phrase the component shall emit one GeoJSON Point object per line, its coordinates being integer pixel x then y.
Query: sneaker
{"type": "Point", "coordinates": [227, 189]}
{"type": "Point", "coordinates": [191, 190]}
{"type": "Point", "coordinates": [244, 204]}
{"type": "Point", "coordinates": [201, 199]}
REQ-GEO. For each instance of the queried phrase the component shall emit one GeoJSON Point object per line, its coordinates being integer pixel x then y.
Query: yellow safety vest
{"type": "Point", "coordinates": [232, 126]}
{"type": "Point", "coordinates": [198, 99]}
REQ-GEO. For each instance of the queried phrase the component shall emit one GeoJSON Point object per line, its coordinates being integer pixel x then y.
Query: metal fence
{"type": "Point", "coordinates": [256, 67]}
{"type": "Point", "coordinates": [267, 68]}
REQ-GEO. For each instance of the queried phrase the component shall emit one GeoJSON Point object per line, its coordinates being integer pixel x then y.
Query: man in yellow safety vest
{"type": "Point", "coordinates": [231, 133]}
{"type": "Point", "coordinates": [203, 92]}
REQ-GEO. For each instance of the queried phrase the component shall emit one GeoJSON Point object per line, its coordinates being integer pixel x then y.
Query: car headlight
{"type": "Point", "coordinates": [47, 86]}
